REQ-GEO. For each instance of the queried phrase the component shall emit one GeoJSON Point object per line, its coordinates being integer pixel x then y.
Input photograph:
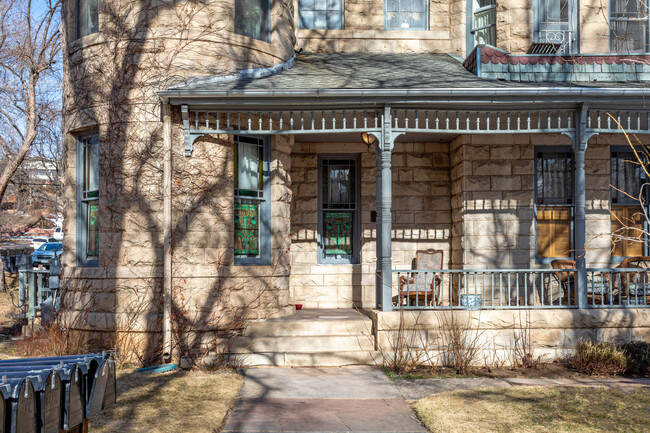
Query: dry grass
{"type": "Point", "coordinates": [536, 409]}
{"type": "Point", "coordinates": [178, 401]}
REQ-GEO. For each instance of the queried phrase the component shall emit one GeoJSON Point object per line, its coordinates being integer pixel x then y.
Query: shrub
{"type": "Point", "coordinates": [598, 359]}
{"type": "Point", "coordinates": [638, 357]}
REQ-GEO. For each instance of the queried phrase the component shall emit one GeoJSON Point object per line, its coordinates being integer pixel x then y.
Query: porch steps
{"type": "Point", "coordinates": [310, 338]}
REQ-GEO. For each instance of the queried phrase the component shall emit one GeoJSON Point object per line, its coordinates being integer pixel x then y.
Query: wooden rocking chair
{"type": "Point", "coordinates": [422, 287]}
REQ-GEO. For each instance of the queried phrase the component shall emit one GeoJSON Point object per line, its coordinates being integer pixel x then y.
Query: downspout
{"type": "Point", "coordinates": [167, 229]}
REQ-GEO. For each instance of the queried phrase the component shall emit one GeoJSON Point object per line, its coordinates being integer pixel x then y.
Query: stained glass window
{"type": "Point", "coordinates": [339, 209]}
{"type": "Point", "coordinates": [88, 184]}
{"type": "Point", "coordinates": [251, 225]}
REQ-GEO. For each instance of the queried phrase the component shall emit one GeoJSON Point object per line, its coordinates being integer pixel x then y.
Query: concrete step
{"type": "Point", "coordinates": [303, 344]}
{"type": "Point", "coordinates": [294, 328]}
{"type": "Point", "coordinates": [316, 359]}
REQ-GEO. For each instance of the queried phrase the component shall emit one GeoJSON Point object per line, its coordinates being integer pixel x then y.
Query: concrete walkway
{"type": "Point", "coordinates": [356, 399]}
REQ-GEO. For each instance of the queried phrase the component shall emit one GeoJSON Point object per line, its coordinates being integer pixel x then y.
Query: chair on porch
{"type": "Point", "coordinates": [635, 285]}
{"type": "Point", "coordinates": [597, 291]}
{"type": "Point", "coordinates": [422, 287]}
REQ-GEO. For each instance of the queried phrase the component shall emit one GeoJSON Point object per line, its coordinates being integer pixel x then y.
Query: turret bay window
{"type": "Point", "coordinates": [627, 205]}
{"type": "Point", "coordinates": [338, 215]}
{"type": "Point", "coordinates": [253, 19]}
{"type": "Point", "coordinates": [484, 21]}
{"type": "Point", "coordinates": [554, 203]}
{"type": "Point", "coordinates": [87, 13]}
{"type": "Point", "coordinates": [320, 14]}
{"type": "Point", "coordinates": [555, 22]}
{"type": "Point", "coordinates": [406, 14]}
{"type": "Point", "coordinates": [88, 200]}
{"type": "Point", "coordinates": [252, 206]}
{"type": "Point", "coordinates": [629, 26]}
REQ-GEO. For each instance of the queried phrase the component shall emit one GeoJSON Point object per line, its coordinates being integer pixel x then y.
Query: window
{"type": "Point", "coordinates": [252, 207]}
{"type": "Point", "coordinates": [406, 15]}
{"type": "Point", "coordinates": [554, 203]}
{"type": "Point", "coordinates": [484, 22]}
{"type": "Point", "coordinates": [252, 19]}
{"type": "Point", "coordinates": [87, 17]}
{"type": "Point", "coordinates": [320, 14]}
{"type": "Point", "coordinates": [88, 200]}
{"type": "Point", "coordinates": [338, 210]}
{"type": "Point", "coordinates": [629, 26]}
{"type": "Point", "coordinates": [628, 219]}
{"type": "Point", "coordinates": [555, 22]}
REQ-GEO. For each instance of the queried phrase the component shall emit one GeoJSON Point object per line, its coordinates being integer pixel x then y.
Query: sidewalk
{"type": "Point", "coordinates": [355, 399]}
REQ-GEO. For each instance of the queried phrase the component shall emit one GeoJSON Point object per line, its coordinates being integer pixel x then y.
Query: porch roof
{"type": "Point", "coordinates": [372, 71]}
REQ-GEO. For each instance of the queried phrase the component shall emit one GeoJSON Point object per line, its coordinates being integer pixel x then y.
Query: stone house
{"type": "Point", "coordinates": [247, 156]}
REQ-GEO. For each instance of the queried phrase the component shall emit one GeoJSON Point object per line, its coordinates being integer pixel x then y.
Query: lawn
{"type": "Point", "coordinates": [536, 409]}
{"type": "Point", "coordinates": [179, 401]}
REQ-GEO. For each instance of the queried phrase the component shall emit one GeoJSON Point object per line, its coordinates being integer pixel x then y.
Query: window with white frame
{"type": "Point", "coordinates": [88, 200]}
{"type": "Point", "coordinates": [484, 22]}
{"type": "Point", "coordinates": [406, 14]}
{"type": "Point", "coordinates": [87, 12]}
{"type": "Point", "coordinates": [628, 202]}
{"type": "Point", "coordinates": [554, 203]}
{"type": "Point", "coordinates": [555, 22]}
{"type": "Point", "coordinates": [252, 207]}
{"type": "Point", "coordinates": [253, 19]}
{"type": "Point", "coordinates": [320, 14]}
{"type": "Point", "coordinates": [629, 26]}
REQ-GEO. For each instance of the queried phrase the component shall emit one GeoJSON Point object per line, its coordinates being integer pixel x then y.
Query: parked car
{"type": "Point", "coordinates": [45, 254]}
{"type": "Point", "coordinates": [58, 233]}
{"type": "Point", "coordinates": [36, 243]}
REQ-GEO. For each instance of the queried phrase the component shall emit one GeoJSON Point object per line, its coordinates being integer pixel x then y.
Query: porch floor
{"type": "Point", "coordinates": [326, 314]}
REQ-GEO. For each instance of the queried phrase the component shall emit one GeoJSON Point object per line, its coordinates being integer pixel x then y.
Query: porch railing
{"type": "Point", "coordinates": [520, 288]}
{"type": "Point", "coordinates": [485, 289]}
{"type": "Point", "coordinates": [618, 287]}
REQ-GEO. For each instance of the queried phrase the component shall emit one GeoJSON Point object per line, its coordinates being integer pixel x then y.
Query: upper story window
{"type": "Point", "coordinates": [87, 17]}
{"type": "Point", "coordinates": [252, 205]}
{"type": "Point", "coordinates": [554, 203]}
{"type": "Point", "coordinates": [320, 14]}
{"type": "Point", "coordinates": [406, 14]}
{"type": "Point", "coordinates": [253, 19]}
{"type": "Point", "coordinates": [629, 26]}
{"type": "Point", "coordinates": [627, 203]}
{"type": "Point", "coordinates": [484, 22]}
{"type": "Point", "coordinates": [88, 200]}
{"type": "Point", "coordinates": [555, 22]}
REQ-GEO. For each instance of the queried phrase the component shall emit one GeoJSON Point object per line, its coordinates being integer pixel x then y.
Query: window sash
{"type": "Point", "coordinates": [625, 178]}
{"type": "Point", "coordinates": [554, 231]}
{"type": "Point", "coordinates": [628, 230]}
{"type": "Point", "coordinates": [88, 201]}
{"type": "Point", "coordinates": [406, 14]}
{"type": "Point", "coordinates": [320, 14]}
{"type": "Point", "coordinates": [629, 26]}
{"type": "Point", "coordinates": [252, 19]}
{"type": "Point", "coordinates": [87, 17]}
{"type": "Point", "coordinates": [554, 178]}
{"type": "Point", "coordinates": [484, 17]}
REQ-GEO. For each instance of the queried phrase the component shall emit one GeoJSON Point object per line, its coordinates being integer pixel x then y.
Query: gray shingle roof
{"type": "Point", "coordinates": [376, 71]}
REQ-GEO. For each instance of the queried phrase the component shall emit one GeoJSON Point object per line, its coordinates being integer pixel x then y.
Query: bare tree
{"type": "Point", "coordinates": [30, 99]}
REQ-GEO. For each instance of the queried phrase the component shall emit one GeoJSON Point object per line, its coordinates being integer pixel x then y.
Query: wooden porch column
{"type": "Point", "coordinates": [384, 281]}
{"type": "Point", "coordinates": [579, 148]}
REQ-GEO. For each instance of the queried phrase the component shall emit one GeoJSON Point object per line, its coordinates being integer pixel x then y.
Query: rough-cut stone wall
{"type": "Point", "coordinates": [421, 220]}
{"type": "Point", "coordinates": [111, 80]}
{"type": "Point", "coordinates": [594, 26]}
{"type": "Point", "coordinates": [514, 25]}
{"type": "Point", "coordinates": [364, 31]}
{"type": "Point", "coordinates": [552, 333]}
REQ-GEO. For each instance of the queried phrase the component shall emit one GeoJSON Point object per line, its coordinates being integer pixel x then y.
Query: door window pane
{"type": "Point", "coordinates": [252, 19]}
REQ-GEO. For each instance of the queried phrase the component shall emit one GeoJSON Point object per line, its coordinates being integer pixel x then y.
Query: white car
{"type": "Point", "coordinates": [58, 233]}
{"type": "Point", "coordinates": [37, 242]}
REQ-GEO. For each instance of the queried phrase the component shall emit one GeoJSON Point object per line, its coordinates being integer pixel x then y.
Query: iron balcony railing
{"type": "Point", "coordinates": [619, 287]}
{"type": "Point", "coordinates": [485, 289]}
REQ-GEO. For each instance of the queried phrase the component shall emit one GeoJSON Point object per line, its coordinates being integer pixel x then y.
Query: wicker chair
{"type": "Point", "coordinates": [635, 285]}
{"type": "Point", "coordinates": [421, 287]}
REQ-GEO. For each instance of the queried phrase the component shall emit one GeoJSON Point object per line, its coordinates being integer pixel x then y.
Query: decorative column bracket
{"type": "Point", "coordinates": [189, 137]}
